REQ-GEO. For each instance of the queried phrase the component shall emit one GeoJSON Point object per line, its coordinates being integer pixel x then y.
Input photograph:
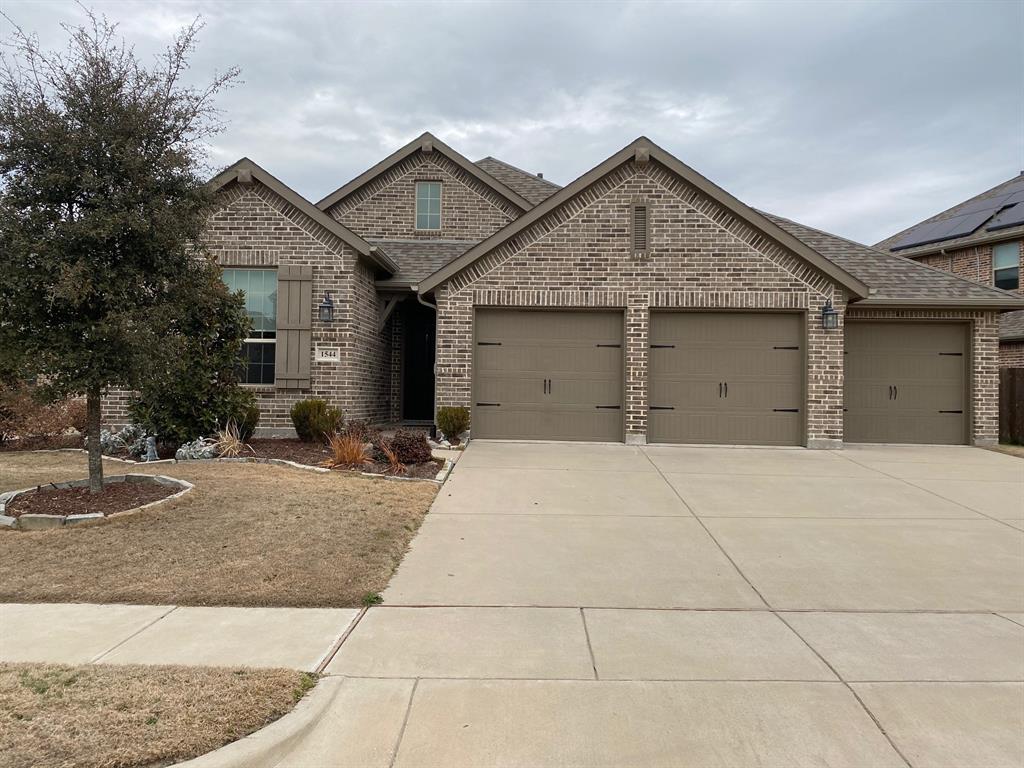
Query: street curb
{"type": "Point", "coordinates": [269, 746]}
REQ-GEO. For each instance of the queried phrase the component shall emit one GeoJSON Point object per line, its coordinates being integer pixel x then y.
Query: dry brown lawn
{"type": "Point", "coordinates": [248, 534]}
{"type": "Point", "coordinates": [109, 717]}
{"type": "Point", "coordinates": [1012, 450]}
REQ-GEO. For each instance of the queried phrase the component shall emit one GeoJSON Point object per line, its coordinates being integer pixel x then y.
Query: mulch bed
{"type": "Point", "coordinates": [291, 449]}
{"type": "Point", "coordinates": [115, 497]}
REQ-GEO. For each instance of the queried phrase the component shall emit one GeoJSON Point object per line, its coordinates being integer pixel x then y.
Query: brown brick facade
{"type": "Point", "coordinates": [385, 208]}
{"type": "Point", "coordinates": [255, 228]}
{"type": "Point", "coordinates": [1011, 354]}
{"type": "Point", "coordinates": [701, 258]}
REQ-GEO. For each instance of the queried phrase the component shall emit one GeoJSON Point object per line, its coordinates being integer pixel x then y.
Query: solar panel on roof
{"type": "Point", "coordinates": [1011, 217]}
{"type": "Point", "coordinates": [945, 229]}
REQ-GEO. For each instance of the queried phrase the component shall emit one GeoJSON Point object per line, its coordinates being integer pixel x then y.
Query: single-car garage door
{"type": "Point", "coordinates": [726, 377]}
{"type": "Point", "coordinates": [906, 383]}
{"type": "Point", "coordinates": [548, 375]}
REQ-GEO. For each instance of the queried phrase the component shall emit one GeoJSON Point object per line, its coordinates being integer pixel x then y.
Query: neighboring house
{"type": "Point", "coordinates": [981, 239]}
{"type": "Point", "coordinates": [641, 303]}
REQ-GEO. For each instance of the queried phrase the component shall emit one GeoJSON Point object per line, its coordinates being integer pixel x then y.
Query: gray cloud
{"type": "Point", "coordinates": [858, 118]}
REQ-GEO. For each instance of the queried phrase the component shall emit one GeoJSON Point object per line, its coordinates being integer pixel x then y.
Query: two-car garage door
{"type": "Point", "coordinates": [715, 377]}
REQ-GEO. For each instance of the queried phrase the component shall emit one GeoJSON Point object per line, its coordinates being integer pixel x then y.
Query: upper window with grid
{"type": "Point", "coordinates": [1006, 266]}
{"type": "Point", "coordinates": [428, 205]}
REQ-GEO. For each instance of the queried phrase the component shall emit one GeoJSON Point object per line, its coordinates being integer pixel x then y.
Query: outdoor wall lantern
{"type": "Point", "coordinates": [829, 316]}
{"type": "Point", "coordinates": [327, 308]}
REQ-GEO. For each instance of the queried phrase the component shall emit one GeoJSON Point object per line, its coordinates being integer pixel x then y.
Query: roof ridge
{"type": "Point", "coordinates": [891, 255]}
{"type": "Point", "coordinates": [517, 168]}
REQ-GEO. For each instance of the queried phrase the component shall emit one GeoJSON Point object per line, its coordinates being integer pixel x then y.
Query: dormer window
{"type": "Point", "coordinates": [428, 205]}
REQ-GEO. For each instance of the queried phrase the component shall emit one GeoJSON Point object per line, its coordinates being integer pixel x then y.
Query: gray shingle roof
{"type": "Point", "coordinates": [1011, 325]}
{"type": "Point", "coordinates": [980, 235]}
{"type": "Point", "coordinates": [893, 277]}
{"type": "Point", "coordinates": [418, 258]}
{"type": "Point", "coordinates": [529, 185]}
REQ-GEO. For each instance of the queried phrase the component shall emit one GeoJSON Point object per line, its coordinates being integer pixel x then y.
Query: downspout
{"type": "Point", "coordinates": [425, 303]}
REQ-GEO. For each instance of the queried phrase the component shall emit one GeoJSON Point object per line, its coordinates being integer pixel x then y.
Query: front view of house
{"type": "Point", "coordinates": [640, 303]}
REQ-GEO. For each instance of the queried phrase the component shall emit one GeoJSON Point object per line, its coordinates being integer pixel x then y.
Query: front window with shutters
{"type": "Point", "coordinates": [428, 205]}
{"type": "Point", "coordinates": [1006, 266]}
{"type": "Point", "coordinates": [260, 289]}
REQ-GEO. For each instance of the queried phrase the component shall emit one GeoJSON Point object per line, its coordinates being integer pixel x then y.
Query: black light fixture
{"type": "Point", "coordinates": [829, 316]}
{"type": "Point", "coordinates": [327, 308]}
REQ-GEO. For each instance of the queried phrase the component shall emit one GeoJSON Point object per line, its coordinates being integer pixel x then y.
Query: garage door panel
{"type": "Point", "coordinates": [906, 382]}
{"type": "Point", "coordinates": [554, 375]}
{"type": "Point", "coordinates": [724, 377]}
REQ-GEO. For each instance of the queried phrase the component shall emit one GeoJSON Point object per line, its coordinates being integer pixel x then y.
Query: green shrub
{"type": "Point", "coordinates": [453, 421]}
{"type": "Point", "coordinates": [314, 420]}
{"type": "Point", "coordinates": [193, 388]}
{"type": "Point", "coordinates": [246, 420]}
{"type": "Point", "coordinates": [410, 447]}
{"type": "Point", "coordinates": [362, 431]}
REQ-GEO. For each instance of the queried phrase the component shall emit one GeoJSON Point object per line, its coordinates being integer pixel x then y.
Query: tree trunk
{"type": "Point", "coordinates": [92, 430]}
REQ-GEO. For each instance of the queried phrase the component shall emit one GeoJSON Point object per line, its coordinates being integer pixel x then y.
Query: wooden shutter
{"type": "Point", "coordinates": [639, 226]}
{"type": "Point", "coordinates": [294, 327]}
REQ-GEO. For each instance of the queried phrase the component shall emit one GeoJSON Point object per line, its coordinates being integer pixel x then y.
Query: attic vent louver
{"type": "Point", "coordinates": [640, 229]}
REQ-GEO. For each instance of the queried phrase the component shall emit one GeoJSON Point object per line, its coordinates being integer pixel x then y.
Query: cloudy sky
{"type": "Point", "coordinates": [858, 118]}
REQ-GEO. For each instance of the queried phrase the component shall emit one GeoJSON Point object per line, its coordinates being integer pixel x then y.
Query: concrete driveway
{"type": "Point", "coordinates": [595, 605]}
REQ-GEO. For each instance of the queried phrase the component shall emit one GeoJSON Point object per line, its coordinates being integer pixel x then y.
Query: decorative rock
{"type": "Point", "coordinates": [74, 519]}
{"type": "Point", "coordinates": [33, 522]}
{"type": "Point", "coordinates": [6, 521]}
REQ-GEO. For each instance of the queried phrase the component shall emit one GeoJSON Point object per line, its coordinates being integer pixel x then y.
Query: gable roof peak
{"type": "Point", "coordinates": [370, 253]}
{"type": "Point", "coordinates": [425, 142]}
{"type": "Point", "coordinates": [643, 150]}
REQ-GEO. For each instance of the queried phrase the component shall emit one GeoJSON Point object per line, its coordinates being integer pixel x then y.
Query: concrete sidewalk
{"type": "Point", "coordinates": [80, 633]}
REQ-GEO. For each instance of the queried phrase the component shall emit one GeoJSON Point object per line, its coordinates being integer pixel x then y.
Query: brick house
{"type": "Point", "coordinates": [640, 303]}
{"type": "Point", "coordinates": [980, 239]}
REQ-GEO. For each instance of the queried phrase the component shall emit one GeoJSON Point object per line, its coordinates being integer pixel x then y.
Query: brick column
{"type": "Point", "coordinates": [638, 315]}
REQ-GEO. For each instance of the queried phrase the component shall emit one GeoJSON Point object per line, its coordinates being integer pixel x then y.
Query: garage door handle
{"type": "Point", "coordinates": [488, 343]}
{"type": "Point", "coordinates": [897, 391]}
{"type": "Point", "coordinates": [610, 346]}
{"type": "Point", "coordinates": [952, 354]}
{"type": "Point", "coordinates": [609, 407]}
{"type": "Point", "coordinates": [890, 391]}
{"type": "Point", "coordinates": [661, 407]}
{"type": "Point", "coordinates": [727, 389]}
{"type": "Point", "coordinates": [785, 347]}
{"type": "Point", "coordinates": [786, 410]}
{"type": "Point", "coordinates": [950, 411]}
{"type": "Point", "coordinates": [488, 405]}
{"type": "Point", "coordinates": [663, 346]}
{"type": "Point", "coordinates": [719, 389]}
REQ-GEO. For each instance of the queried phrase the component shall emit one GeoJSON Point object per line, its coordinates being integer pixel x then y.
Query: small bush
{"type": "Point", "coordinates": [314, 420]}
{"type": "Point", "coordinates": [395, 467]}
{"type": "Point", "coordinates": [203, 448]}
{"type": "Point", "coordinates": [410, 447]}
{"type": "Point", "coordinates": [23, 414]}
{"type": "Point", "coordinates": [362, 430]}
{"type": "Point", "coordinates": [229, 442]}
{"type": "Point", "coordinates": [453, 421]}
{"type": "Point", "coordinates": [347, 451]}
{"type": "Point", "coordinates": [76, 415]}
{"type": "Point", "coordinates": [246, 420]}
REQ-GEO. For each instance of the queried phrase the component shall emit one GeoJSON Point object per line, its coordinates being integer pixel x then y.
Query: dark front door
{"type": "Point", "coordinates": [418, 363]}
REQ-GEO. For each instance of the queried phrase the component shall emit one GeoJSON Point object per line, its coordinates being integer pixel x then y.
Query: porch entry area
{"type": "Point", "coordinates": [413, 336]}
